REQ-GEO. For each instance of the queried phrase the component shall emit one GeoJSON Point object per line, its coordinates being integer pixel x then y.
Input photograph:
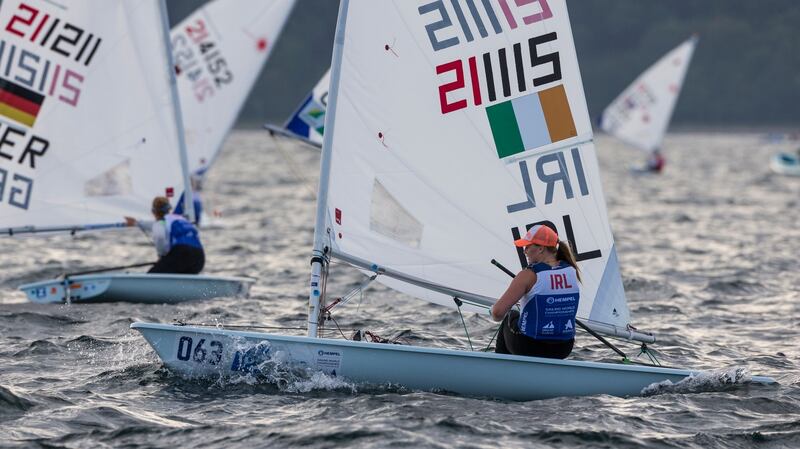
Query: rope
{"type": "Point", "coordinates": [337, 326]}
{"type": "Point", "coordinates": [645, 350]}
{"type": "Point", "coordinates": [293, 167]}
{"type": "Point", "coordinates": [323, 290]}
{"type": "Point", "coordinates": [458, 306]}
{"type": "Point", "coordinates": [493, 337]}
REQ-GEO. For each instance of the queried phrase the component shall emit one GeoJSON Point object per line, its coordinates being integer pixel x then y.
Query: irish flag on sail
{"type": "Point", "coordinates": [531, 121]}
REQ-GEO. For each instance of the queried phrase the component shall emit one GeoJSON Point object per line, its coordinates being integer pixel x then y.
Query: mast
{"type": "Point", "coordinates": [318, 254]}
{"type": "Point", "coordinates": [188, 197]}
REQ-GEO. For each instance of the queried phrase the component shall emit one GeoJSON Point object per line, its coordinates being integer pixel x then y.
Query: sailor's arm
{"type": "Point", "coordinates": [519, 286]}
{"type": "Point", "coordinates": [157, 231]}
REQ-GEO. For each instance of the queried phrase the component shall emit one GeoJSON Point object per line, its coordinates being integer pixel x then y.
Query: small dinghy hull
{"type": "Point", "coordinates": [785, 164]}
{"type": "Point", "coordinates": [197, 352]}
{"type": "Point", "coordinates": [137, 287]}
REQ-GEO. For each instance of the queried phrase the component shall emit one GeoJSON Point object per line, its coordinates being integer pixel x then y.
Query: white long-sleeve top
{"type": "Point", "coordinates": [160, 237]}
{"type": "Point", "coordinates": [158, 232]}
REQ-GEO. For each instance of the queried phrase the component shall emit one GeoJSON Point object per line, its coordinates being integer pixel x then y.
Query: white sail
{"type": "Point", "coordinates": [87, 119]}
{"type": "Point", "coordinates": [308, 121]}
{"type": "Point", "coordinates": [639, 116]}
{"type": "Point", "coordinates": [453, 127]}
{"type": "Point", "coordinates": [219, 52]}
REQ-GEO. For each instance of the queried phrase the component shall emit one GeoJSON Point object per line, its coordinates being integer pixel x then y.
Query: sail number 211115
{"type": "Point", "coordinates": [533, 59]}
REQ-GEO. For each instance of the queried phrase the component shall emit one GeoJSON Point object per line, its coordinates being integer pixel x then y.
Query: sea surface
{"type": "Point", "coordinates": [709, 255]}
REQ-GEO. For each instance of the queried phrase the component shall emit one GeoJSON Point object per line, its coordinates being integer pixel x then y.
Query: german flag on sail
{"type": "Point", "coordinates": [19, 103]}
{"type": "Point", "coordinates": [531, 121]}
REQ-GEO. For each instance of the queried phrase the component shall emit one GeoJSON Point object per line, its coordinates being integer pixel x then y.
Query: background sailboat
{"type": "Point", "coordinates": [786, 164]}
{"type": "Point", "coordinates": [640, 115]}
{"type": "Point", "coordinates": [76, 166]}
{"type": "Point", "coordinates": [307, 123]}
{"type": "Point", "coordinates": [442, 142]}
{"type": "Point", "coordinates": [219, 52]}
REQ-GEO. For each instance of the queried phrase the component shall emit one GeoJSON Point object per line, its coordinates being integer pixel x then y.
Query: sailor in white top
{"type": "Point", "coordinates": [176, 240]}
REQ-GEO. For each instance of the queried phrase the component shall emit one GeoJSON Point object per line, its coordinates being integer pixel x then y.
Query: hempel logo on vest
{"type": "Point", "coordinates": [552, 300]}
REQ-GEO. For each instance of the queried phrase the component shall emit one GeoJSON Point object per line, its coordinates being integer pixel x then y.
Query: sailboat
{"type": "Point", "coordinates": [219, 52]}
{"type": "Point", "coordinates": [69, 164]}
{"type": "Point", "coordinates": [640, 115]}
{"type": "Point", "coordinates": [785, 164]}
{"type": "Point", "coordinates": [307, 123]}
{"type": "Point", "coordinates": [448, 132]}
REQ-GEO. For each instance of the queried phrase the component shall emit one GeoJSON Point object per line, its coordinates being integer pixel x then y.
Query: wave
{"type": "Point", "coordinates": [280, 371]}
{"type": "Point", "coordinates": [735, 287]}
{"type": "Point", "coordinates": [88, 342]}
{"type": "Point", "coordinates": [11, 404]}
{"type": "Point", "coordinates": [704, 381]}
{"type": "Point", "coordinates": [42, 319]}
{"type": "Point", "coordinates": [39, 347]}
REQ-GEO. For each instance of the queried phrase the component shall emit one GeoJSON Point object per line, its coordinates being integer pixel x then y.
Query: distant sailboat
{"type": "Point", "coordinates": [307, 123]}
{"type": "Point", "coordinates": [219, 52]}
{"type": "Point", "coordinates": [443, 142]}
{"type": "Point", "coordinates": [786, 164]}
{"type": "Point", "coordinates": [91, 127]}
{"type": "Point", "coordinates": [640, 115]}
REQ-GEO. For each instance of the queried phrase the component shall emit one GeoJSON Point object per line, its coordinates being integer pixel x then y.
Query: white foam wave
{"type": "Point", "coordinates": [280, 370]}
{"type": "Point", "coordinates": [703, 381]}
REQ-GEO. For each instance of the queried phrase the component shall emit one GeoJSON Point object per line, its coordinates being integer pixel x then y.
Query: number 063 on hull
{"type": "Point", "coordinates": [209, 353]}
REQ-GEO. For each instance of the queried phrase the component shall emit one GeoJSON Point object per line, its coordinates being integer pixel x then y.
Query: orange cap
{"type": "Point", "coordinates": [539, 235]}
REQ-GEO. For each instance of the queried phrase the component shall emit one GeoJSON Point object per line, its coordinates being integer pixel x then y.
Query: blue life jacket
{"type": "Point", "coordinates": [549, 308]}
{"type": "Point", "coordinates": [198, 206]}
{"type": "Point", "coordinates": [181, 232]}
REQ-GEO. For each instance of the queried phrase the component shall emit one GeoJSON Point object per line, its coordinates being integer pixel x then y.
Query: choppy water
{"type": "Point", "coordinates": [709, 252]}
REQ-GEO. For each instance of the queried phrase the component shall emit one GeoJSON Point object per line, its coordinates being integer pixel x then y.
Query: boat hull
{"type": "Point", "coordinates": [430, 369]}
{"type": "Point", "coordinates": [785, 164]}
{"type": "Point", "coordinates": [136, 287]}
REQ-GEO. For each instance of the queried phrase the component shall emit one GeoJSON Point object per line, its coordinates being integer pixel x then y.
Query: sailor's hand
{"type": "Point", "coordinates": [130, 221]}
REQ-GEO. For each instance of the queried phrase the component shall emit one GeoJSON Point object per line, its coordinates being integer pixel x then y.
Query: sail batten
{"type": "Point", "coordinates": [447, 148]}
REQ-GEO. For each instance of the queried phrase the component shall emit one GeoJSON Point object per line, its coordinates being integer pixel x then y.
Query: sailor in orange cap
{"type": "Point", "coordinates": [548, 292]}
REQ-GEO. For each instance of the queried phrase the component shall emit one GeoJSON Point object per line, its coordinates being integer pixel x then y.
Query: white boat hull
{"type": "Point", "coordinates": [136, 287]}
{"type": "Point", "coordinates": [197, 352]}
{"type": "Point", "coordinates": [785, 164]}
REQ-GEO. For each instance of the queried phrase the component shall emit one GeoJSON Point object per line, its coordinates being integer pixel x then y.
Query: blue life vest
{"type": "Point", "coordinates": [549, 308]}
{"type": "Point", "coordinates": [181, 232]}
{"type": "Point", "coordinates": [198, 206]}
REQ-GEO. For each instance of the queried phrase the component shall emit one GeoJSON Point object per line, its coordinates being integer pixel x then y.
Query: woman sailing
{"type": "Point", "coordinates": [547, 292]}
{"type": "Point", "coordinates": [177, 241]}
